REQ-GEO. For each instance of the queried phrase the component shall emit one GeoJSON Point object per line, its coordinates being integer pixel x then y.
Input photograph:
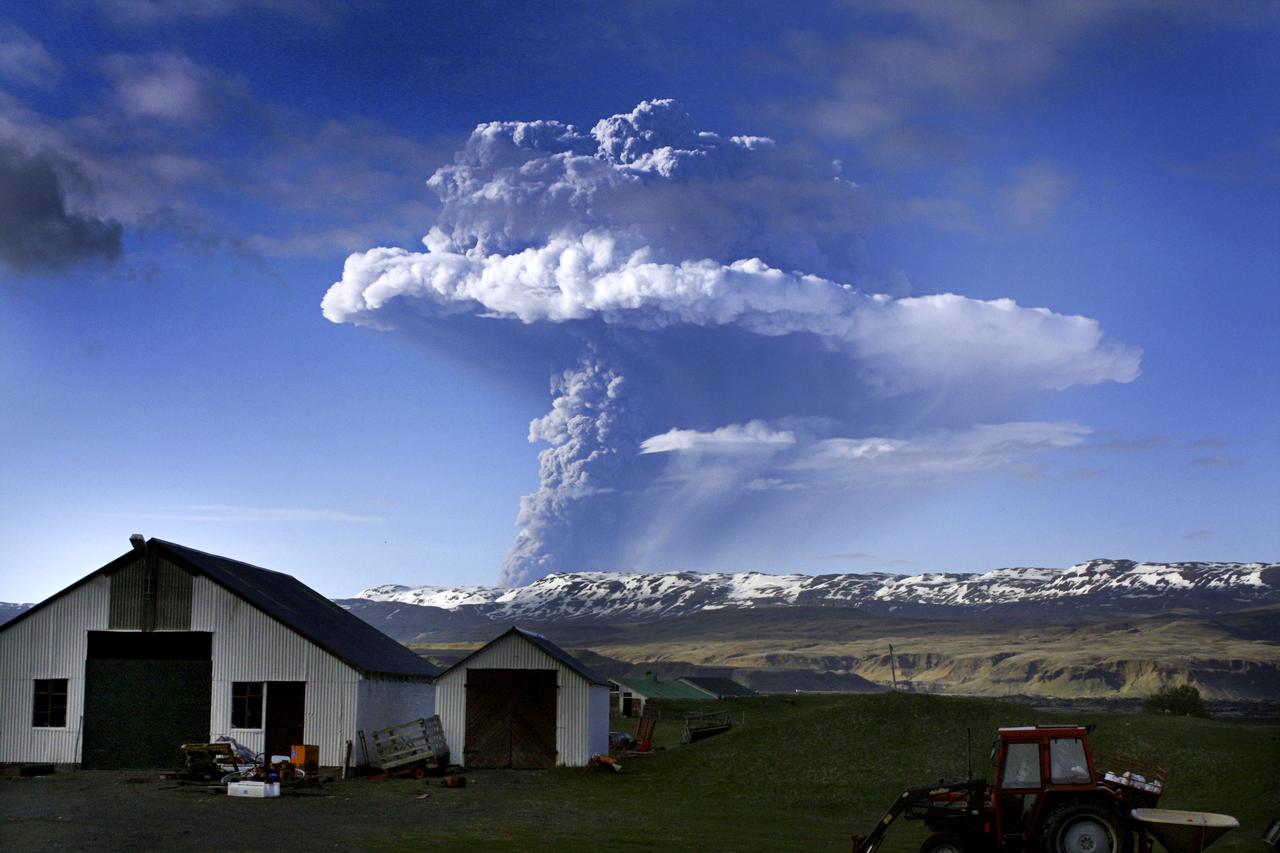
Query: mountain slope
{"type": "Point", "coordinates": [1095, 586]}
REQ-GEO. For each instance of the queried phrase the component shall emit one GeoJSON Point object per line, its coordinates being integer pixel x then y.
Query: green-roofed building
{"type": "Point", "coordinates": [629, 695]}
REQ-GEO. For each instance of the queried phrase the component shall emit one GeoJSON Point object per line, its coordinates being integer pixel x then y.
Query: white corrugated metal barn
{"type": "Point", "coordinates": [522, 701]}
{"type": "Point", "coordinates": [167, 645]}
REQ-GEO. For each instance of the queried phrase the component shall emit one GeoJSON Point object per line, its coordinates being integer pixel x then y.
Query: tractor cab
{"type": "Point", "coordinates": [1038, 767]}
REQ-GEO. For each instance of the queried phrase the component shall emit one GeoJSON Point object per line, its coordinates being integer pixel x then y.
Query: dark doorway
{"type": "Point", "coordinates": [146, 694]}
{"type": "Point", "coordinates": [511, 718]}
{"type": "Point", "coordinates": [285, 717]}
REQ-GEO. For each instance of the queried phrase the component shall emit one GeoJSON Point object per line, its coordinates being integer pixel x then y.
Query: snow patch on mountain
{"type": "Point", "coordinates": [661, 594]}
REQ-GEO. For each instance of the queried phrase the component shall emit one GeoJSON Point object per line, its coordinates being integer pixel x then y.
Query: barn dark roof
{"type": "Point", "coordinates": [544, 644]}
{"type": "Point", "coordinates": [718, 687]}
{"type": "Point", "coordinates": [288, 600]}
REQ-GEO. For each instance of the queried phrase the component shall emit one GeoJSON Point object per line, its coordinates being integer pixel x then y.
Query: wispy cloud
{"type": "Point", "coordinates": [1197, 534]}
{"type": "Point", "coordinates": [226, 513]}
{"type": "Point", "coordinates": [1037, 191]}
{"type": "Point", "coordinates": [170, 87]}
{"type": "Point", "coordinates": [319, 187]}
{"type": "Point", "coordinates": [938, 455]}
{"type": "Point", "coordinates": [1138, 444]}
{"type": "Point", "coordinates": [1219, 460]}
{"type": "Point", "coordinates": [24, 60]}
{"type": "Point", "coordinates": [148, 13]}
{"type": "Point", "coordinates": [861, 557]}
{"type": "Point", "coordinates": [946, 213]}
{"type": "Point", "coordinates": [916, 57]}
{"type": "Point", "coordinates": [1208, 442]}
{"type": "Point", "coordinates": [751, 437]}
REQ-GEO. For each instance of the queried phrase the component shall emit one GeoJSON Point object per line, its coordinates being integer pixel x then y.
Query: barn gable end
{"type": "Point", "coordinates": [159, 645]}
{"type": "Point", "coordinates": [581, 701]}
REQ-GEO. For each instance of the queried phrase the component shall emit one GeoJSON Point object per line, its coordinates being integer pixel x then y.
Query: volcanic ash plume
{"type": "Point", "coordinates": [583, 429]}
{"type": "Point", "coordinates": [713, 273]}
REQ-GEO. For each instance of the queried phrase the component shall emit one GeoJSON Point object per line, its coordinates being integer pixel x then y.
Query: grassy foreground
{"type": "Point", "coordinates": [805, 772]}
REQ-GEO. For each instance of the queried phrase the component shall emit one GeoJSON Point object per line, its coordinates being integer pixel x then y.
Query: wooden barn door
{"type": "Point", "coordinates": [146, 694]}
{"type": "Point", "coordinates": [511, 718]}
{"type": "Point", "coordinates": [285, 716]}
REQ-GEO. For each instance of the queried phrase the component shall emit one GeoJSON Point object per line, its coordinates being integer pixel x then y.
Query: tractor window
{"type": "Point", "coordinates": [1021, 766]}
{"type": "Point", "coordinates": [1067, 762]}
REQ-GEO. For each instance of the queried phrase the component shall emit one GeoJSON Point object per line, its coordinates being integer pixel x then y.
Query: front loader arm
{"type": "Point", "coordinates": [925, 802]}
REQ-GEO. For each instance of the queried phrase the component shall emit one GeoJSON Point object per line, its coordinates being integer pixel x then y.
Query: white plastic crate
{"type": "Point", "coordinates": [253, 789]}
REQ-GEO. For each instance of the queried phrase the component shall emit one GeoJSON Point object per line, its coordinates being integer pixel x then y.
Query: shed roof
{"type": "Point", "coordinates": [651, 688]}
{"type": "Point", "coordinates": [542, 643]}
{"type": "Point", "coordinates": [287, 600]}
{"type": "Point", "coordinates": [718, 687]}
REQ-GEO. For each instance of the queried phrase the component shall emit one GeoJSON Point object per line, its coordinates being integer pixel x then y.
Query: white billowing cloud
{"type": "Point", "coordinates": [903, 344]}
{"type": "Point", "coordinates": [647, 223]}
{"type": "Point", "coordinates": [24, 60]}
{"type": "Point", "coordinates": [651, 181]}
{"type": "Point", "coordinates": [734, 438]}
{"type": "Point", "coordinates": [715, 273]}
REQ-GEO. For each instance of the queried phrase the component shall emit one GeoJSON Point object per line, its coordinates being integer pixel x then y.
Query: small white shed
{"type": "Point", "coordinates": [522, 701]}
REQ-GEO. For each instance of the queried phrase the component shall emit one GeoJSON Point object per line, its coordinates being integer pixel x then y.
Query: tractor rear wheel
{"type": "Point", "coordinates": [943, 842]}
{"type": "Point", "coordinates": [1081, 828]}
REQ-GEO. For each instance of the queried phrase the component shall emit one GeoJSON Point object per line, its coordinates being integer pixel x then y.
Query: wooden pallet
{"type": "Point", "coordinates": [417, 744]}
{"type": "Point", "coordinates": [699, 726]}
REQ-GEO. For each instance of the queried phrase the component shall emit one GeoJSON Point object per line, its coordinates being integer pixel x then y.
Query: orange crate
{"type": "Point", "coordinates": [306, 756]}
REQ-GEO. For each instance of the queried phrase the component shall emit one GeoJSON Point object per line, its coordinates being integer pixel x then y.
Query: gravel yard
{"type": "Point", "coordinates": [136, 810]}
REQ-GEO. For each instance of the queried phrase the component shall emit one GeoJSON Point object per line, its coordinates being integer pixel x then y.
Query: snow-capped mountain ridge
{"type": "Point", "coordinates": [643, 596]}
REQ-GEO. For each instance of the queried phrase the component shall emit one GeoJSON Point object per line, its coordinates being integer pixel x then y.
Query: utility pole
{"type": "Point", "coordinates": [893, 666]}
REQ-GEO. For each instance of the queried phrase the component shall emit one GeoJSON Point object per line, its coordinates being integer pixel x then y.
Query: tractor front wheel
{"type": "Point", "coordinates": [1081, 828]}
{"type": "Point", "coordinates": [943, 842]}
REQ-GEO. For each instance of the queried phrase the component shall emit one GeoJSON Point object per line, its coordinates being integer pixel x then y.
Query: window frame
{"type": "Point", "coordinates": [45, 705]}
{"type": "Point", "coordinates": [1032, 747]}
{"type": "Point", "coordinates": [243, 695]}
{"type": "Point", "coordinates": [1063, 750]}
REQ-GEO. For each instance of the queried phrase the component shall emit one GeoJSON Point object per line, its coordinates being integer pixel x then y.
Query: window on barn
{"type": "Point", "coordinates": [49, 710]}
{"type": "Point", "coordinates": [246, 704]}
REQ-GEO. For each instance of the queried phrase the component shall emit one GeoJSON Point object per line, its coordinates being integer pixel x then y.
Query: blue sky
{"type": "Point", "coordinates": [182, 183]}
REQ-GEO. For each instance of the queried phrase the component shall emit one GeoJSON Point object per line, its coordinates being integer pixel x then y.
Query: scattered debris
{"type": "Point", "coordinates": [644, 733]}
{"type": "Point", "coordinates": [453, 781]}
{"type": "Point", "coordinates": [603, 762]}
{"type": "Point", "coordinates": [705, 725]}
{"type": "Point", "coordinates": [29, 770]}
{"type": "Point", "coordinates": [204, 761]}
{"type": "Point", "coordinates": [413, 747]}
{"type": "Point", "coordinates": [256, 790]}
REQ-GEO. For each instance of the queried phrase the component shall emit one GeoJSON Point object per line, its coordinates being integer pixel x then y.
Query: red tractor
{"type": "Point", "coordinates": [1051, 794]}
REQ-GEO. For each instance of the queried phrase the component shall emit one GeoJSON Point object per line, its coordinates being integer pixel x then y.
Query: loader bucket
{"type": "Point", "coordinates": [1184, 832]}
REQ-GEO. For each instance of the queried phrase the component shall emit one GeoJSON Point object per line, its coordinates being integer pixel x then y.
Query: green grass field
{"type": "Point", "coordinates": [806, 772]}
